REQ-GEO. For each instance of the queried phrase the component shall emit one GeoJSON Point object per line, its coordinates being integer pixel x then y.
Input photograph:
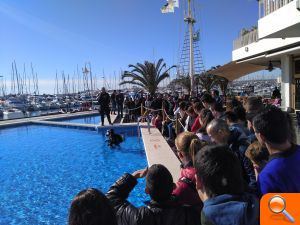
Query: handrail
{"type": "Point", "coordinates": [176, 120]}
{"type": "Point", "coordinates": [148, 110]}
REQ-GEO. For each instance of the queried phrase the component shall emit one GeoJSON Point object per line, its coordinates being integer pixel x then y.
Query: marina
{"type": "Point", "coordinates": [152, 113]}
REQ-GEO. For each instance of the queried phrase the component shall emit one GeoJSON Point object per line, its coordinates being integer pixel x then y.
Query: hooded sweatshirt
{"type": "Point", "coordinates": [231, 209]}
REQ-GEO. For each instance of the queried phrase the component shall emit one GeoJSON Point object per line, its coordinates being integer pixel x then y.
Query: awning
{"type": "Point", "coordinates": [233, 70]}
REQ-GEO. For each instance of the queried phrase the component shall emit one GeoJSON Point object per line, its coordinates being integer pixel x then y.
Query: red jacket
{"type": "Point", "coordinates": [185, 190]}
{"type": "Point", "coordinates": [196, 125]}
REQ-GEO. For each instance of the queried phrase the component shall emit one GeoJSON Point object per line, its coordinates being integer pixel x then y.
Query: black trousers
{"type": "Point", "coordinates": [120, 109]}
{"type": "Point", "coordinates": [104, 112]}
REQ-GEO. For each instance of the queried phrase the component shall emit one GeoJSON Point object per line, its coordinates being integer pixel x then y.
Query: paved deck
{"type": "Point", "coordinates": [158, 151]}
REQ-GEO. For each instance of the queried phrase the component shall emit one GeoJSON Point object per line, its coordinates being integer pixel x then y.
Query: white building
{"type": "Point", "coordinates": [273, 42]}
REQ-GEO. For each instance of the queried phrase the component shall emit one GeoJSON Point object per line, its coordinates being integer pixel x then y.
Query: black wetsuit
{"type": "Point", "coordinates": [115, 139]}
{"type": "Point", "coordinates": [104, 100]}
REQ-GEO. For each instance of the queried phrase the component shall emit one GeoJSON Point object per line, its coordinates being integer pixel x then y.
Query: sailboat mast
{"type": "Point", "coordinates": [25, 80]}
{"type": "Point", "coordinates": [12, 80]}
{"type": "Point", "coordinates": [17, 76]}
{"type": "Point", "coordinates": [78, 79]}
{"type": "Point", "coordinates": [190, 20]}
{"type": "Point", "coordinates": [91, 77]}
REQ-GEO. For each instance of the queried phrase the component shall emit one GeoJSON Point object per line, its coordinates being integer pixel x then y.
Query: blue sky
{"type": "Point", "coordinates": [58, 35]}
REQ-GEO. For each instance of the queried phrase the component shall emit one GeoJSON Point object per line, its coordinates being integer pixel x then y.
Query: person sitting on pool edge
{"type": "Point", "coordinates": [113, 138]}
{"type": "Point", "coordinates": [91, 207]}
{"type": "Point", "coordinates": [163, 208]}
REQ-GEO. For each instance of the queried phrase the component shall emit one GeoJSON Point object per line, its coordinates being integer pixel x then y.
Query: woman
{"type": "Point", "coordinates": [91, 207]}
{"type": "Point", "coordinates": [205, 118]}
{"type": "Point", "coordinates": [190, 119]}
{"type": "Point", "coordinates": [187, 144]}
{"type": "Point", "coordinates": [197, 108]}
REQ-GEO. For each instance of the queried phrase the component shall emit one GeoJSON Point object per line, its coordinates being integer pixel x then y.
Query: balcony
{"type": "Point", "coordinates": [269, 6]}
{"type": "Point", "coordinates": [247, 37]}
{"type": "Point", "coordinates": [279, 19]}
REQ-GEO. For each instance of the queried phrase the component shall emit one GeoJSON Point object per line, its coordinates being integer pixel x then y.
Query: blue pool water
{"type": "Point", "coordinates": [43, 168]}
{"type": "Point", "coordinates": [93, 119]}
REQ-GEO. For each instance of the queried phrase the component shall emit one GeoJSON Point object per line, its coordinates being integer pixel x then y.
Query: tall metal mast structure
{"type": "Point", "coordinates": [190, 20]}
{"type": "Point", "coordinates": [190, 62]}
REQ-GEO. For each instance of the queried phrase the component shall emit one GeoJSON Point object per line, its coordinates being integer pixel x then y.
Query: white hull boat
{"type": "Point", "coordinates": [12, 114]}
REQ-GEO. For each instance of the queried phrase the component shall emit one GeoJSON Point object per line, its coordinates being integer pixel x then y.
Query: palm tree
{"type": "Point", "coordinates": [147, 75]}
{"type": "Point", "coordinates": [223, 84]}
{"type": "Point", "coordinates": [182, 81]}
{"type": "Point", "coordinates": [207, 81]}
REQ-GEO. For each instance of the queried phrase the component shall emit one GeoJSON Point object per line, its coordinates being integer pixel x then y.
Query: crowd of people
{"type": "Point", "coordinates": [231, 154]}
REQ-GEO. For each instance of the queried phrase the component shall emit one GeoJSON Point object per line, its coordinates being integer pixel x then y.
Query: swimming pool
{"type": "Point", "coordinates": [44, 167]}
{"type": "Point", "coordinates": [91, 119]}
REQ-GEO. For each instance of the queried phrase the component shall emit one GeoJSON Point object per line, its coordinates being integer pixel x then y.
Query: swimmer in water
{"type": "Point", "coordinates": [113, 138]}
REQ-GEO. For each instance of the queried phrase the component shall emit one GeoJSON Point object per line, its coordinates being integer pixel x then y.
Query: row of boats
{"type": "Point", "coordinates": [19, 106]}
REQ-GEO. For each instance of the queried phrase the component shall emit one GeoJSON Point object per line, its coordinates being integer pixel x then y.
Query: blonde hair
{"type": "Point", "coordinates": [189, 144]}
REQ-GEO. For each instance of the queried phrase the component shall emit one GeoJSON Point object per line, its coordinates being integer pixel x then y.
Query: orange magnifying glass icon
{"type": "Point", "coordinates": [277, 205]}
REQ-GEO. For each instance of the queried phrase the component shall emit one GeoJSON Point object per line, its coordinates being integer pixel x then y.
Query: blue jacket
{"type": "Point", "coordinates": [238, 144]}
{"type": "Point", "coordinates": [243, 129]}
{"type": "Point", "coordinates": [231, 209]}
{"type": "Point", "coordinates": [282, 173]}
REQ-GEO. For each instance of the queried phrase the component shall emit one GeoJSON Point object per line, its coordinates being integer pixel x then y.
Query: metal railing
{"type": "Point", "coordinates": [246, 38]}
{"type": "Point", "coordinates": [266, 7]}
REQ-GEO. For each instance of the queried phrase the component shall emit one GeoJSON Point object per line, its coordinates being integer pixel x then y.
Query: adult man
{"type": "Point", "coordinates": [231, 119]}
{"type": "Point", "coordinates": [162, 209]}
{"type": "Point", "coordinates": [207, 100]}
{"type": "Point", "coordinates": [220, 133]}
{"type": "Point", "coordinates": [120, 102]}
{"type": "Point", "coordinates": [157, 102]}
{"type": "Point", "coordinates": [218, 111]}
{"type": "Point", "coordinates": [219, 184]}
{"type": "Point", "coordinates": [216, 95]}
{"type": "Point", "coordinates": [273, 129]}
{"type": "Point", "coordinates": [253, 106]}
{"type": "Point", "coordinates": [104, 100]}
{"type": "Point", "coordinates": [113, 102]}
{"type": "Point", "coordinates": [276, 93]}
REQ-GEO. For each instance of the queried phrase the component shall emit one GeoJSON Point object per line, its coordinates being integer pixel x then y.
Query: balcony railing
{"type": "Point", "coordinates": [247, 37]}
{"type": "Point", "coordinates": [268, 6]}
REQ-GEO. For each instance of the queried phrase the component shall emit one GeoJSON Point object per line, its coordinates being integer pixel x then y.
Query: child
{"type": "Point", "coordinates": [91, 207]}
{"type": "Point", "coordinates": [187, 144]}
{"type": "Point", "coordinates": [258, 156]}
{"type": "Point", "coordinates": [219, 183]}
{"type": "Point", "coordinates": [157, 121]}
